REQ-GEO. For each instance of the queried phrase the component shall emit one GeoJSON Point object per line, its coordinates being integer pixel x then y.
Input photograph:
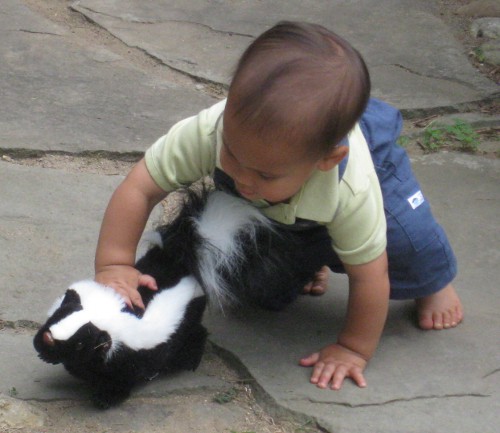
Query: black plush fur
{"type": "Point", "coordinates": [273, 269]}
{"type": "Point", "coordinates": [112, 378]}
{"type": "Point", "coordinates": [271, 272]}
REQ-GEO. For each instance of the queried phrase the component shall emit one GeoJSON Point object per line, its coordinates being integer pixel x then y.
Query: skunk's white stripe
{"type": "Point", "coordinates": [223, 216]}
{"type": "Point", "coordinates": [222, 219]}
{"type": "Point", "coordinates": [98, 298]}
{"type": "Point", "coordinates": [102, 306]}
{"type": "Point", "coordinates": [67, 327]}
{"type": "Point", "coordinates": [161, 319]}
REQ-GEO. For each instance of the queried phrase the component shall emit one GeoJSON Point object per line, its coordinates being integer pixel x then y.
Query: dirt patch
{"type": "Point", "coordinates": [96, 164]}
{"type": "Point", "coordinates": [460, 25]}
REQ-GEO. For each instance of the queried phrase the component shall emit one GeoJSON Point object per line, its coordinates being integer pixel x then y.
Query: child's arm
{"type": "Point", "coordinates": [356, 343]}
{"type": "Point", "coordinates": [121, 229]}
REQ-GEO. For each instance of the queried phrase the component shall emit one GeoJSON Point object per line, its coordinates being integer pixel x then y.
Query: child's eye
{"type": "Point", "coordinates": [265, 176]}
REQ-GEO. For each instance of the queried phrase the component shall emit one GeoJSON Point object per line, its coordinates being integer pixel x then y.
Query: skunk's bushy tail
{"type": "Point", "coordinates": [235, 252]}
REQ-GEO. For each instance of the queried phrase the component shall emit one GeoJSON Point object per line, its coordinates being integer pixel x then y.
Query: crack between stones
{"type": "Point", "coordinates": [419, 74]}
{"type": "Point", "coordinates": [397, 400]}
{"type": "Point", "coordinates": [491, 373]}
{"type": "Point", "coordinates": [38, 33]}
{"type": "Point", "coordinates": [222, 87]}
{"type": "Point", "coordinates": [131, 156]}
{"type": "Point", "coordinates": [196, 78]}
{"type": "Point", "coordinates": [48, 400]}
{"type": "Point", "coordinates": [19, 326]}
{"type": "Point", "coordinates": [139, 21]}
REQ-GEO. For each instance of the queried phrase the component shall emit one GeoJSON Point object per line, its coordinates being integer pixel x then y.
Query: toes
{"type": "Point", "coordinates": [307, 288]}
{"type": "Point", "coordinates": [459, 315]}
{"type": "Point", "coordinates": [442, 310]}
{"type": "Point", "coordinates": [317, 290]}
{"type": "Point", "coordinates": [429, 320]}
{"type": "Point", "coordinates": [446, 320]}
{"type": "Point", "coordinates": [425, 320]}
{"type": "Point", "coordinates": [320, 282]}
{"type": "Point", "coordinates": [318, 285]}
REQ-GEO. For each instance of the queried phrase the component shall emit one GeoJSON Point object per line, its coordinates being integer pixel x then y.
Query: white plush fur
{"type": "Point", "coordinates": [102, 306]}
{"type": "Point", "coordinates": [68, 326]}
{"type": "Point", "coordinates": [223, 217]}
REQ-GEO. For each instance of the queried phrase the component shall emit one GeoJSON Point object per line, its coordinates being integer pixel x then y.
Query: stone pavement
{"type": "Point", "coordinates": [61, 94]}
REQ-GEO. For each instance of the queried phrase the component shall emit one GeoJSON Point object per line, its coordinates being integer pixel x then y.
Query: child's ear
{"type": "Point", "coordinates": [333, 158]}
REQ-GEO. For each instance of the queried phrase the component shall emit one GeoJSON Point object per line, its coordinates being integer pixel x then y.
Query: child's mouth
{"type": "Point", "coordinates": [246, 193]}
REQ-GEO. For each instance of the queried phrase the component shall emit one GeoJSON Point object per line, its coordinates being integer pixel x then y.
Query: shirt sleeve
{"type": "Point", "coordinates": [187, 152]}
{"type": "Point", "coordinates": [359, 229]}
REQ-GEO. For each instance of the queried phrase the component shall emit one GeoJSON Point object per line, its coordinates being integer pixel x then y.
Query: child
{"type": "Point", "coordinates": [300, 139]}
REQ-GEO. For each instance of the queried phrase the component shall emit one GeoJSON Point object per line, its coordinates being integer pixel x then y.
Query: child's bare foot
{"type": "Point", "coordinates": [317, 286]}
{"type": "Point", "coordinates": [441, 310]}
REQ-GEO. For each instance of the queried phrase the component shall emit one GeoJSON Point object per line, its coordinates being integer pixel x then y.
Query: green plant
{"type": "Point", "coordinates": [478, 52]}
{"type": "Point", "coordinates": [464, 133]}
{"type": "Point", "coordinates": [404, 140]}
{"type": "Point", "coordinates": [13, 392]}
{"type": "Point", "coordinates": [433, 139]}
{"type": "Point", "coordinates": [225, 396]}
{"type": "Point", "coordinates": [308, 426]}
{"type": "Point", "coordinates": [459, 133]}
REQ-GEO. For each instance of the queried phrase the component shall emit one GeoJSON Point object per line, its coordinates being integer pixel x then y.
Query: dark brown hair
{"type": "Point", "coordinates": [300, 82]}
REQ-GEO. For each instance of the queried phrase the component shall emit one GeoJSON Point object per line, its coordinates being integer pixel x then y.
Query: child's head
{"type": "Point", "coordinates": [300, 82]}
{"type": "Point", "coordinates": [297, 91]}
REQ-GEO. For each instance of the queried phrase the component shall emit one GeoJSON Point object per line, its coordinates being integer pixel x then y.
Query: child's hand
{"type": "Point", "coordinates": [125, 280]}
{"type": "Point", "coordinates": [333, 364]}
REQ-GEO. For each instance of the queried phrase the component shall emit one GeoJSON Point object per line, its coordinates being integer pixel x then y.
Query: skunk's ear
{"type": "Point", "coordinates": [71, 297]}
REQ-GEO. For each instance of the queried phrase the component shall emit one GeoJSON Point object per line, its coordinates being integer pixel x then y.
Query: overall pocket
{"type": "Point", "coordinates": [410, 218]}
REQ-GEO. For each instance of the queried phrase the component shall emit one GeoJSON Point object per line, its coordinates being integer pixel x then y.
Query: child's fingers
{"type": "Point", "coordinates": [339, 376]}
{"type": "Point", "coordinates": [317, 372]}
{"type": "Point", "coordinates": [309, 360]}
{"type": "Point", "coordinates": [358, 378]}
{"type": "Point", "coordinates": [136, 300]}
{"type": "Point", "coordinates": [327, 371]}
{"type": "Point", "coordinates": [342, 372]}
{"type": "Point", "coordinates": [126, 298]}
{"type": "Point", "coordinates": [148, 281]}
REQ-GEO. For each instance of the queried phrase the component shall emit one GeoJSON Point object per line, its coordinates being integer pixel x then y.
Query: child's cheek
{"type": "Point", "coordinates": [224, 163]}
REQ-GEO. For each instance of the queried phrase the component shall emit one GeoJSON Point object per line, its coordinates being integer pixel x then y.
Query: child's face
{"type": "Point", "coordinates": [273, 171]}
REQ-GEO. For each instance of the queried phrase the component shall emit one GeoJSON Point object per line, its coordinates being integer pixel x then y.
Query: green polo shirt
{"type": "Point", "coordinates": [352, 208]}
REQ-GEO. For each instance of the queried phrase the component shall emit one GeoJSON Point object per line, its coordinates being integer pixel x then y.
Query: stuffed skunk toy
{"type": "Point", "coordinates": [97, 338]}
{"type": "Point", "coordinates": [218, 243]}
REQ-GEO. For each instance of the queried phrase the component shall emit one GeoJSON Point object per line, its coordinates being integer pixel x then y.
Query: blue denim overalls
{"type": "Point", "coordinates": [421, 261]}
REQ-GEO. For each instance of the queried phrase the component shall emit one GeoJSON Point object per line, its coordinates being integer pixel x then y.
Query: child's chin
{"type": "Point", "coordinates": [248, 195]}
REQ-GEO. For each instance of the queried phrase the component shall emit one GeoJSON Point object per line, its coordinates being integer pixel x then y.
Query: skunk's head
{"type": "Point", "coordinates": [69, 337]}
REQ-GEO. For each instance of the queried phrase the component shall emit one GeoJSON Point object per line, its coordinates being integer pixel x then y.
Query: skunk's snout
{"type": "Point", "coordinates": [48, 340]}
{"type": "Point", "coordinates": [46, 347]}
